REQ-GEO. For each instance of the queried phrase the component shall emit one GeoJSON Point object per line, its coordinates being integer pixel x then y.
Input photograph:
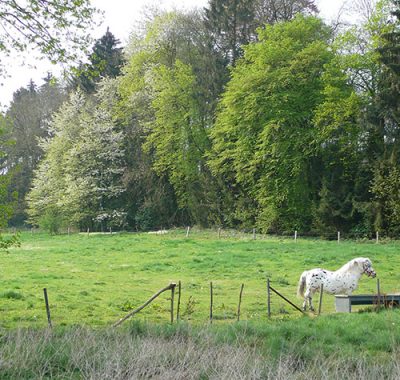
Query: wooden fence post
{"type": "Point", "coordinates": [338, 237]}
{"type": "Point", "coordinates": [46, 300]}
{"type": "Point", "coordinates": [173, 285]}
{"type": "Point", "coordinates": [254, 234]}
{"type": "Point", "coordinates": [178, 308]}
{"type": "Point", "coordinates": [219, 233]}
{"type": "Point", "coordinates": [377, 236]}
{"type": "Point", "coordinates": [268, 299]}
{"type": "Point", "coordinates": [187, 231]}
{"type": "Point", "coordinates": [378, 288]}
{"type": "Point", "coordinates": [240, 302]}
{"type": "Point", "coordinates": [211, 302]}
{"type": "Point", "coordinates": [295, 236]}
{"type": "Point", "coordinates": [320, 299]}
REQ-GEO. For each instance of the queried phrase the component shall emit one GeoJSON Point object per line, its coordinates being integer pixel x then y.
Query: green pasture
{"type": "Point", "coordinates": [96, 279]}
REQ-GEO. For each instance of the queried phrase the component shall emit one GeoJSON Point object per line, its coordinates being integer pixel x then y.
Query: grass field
{"type": "Point", "coordinates": [94, 280]}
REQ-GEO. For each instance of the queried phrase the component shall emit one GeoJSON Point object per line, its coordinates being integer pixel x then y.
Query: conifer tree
{"type": "Point", "coordinates": [105, 61]}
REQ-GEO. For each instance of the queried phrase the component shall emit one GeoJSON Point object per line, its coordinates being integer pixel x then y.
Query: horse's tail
{"type": "Point", "coordinates": [301, 285]}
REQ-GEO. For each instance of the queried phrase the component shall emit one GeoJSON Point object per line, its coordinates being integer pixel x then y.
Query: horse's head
{"type": "Point", "coordinates": [365, 266]}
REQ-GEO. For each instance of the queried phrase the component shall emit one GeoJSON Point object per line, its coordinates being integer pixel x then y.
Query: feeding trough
{"type": "Point", "coordinates": [343, 303]}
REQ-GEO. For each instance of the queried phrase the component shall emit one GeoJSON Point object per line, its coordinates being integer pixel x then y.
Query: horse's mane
{"type": "Point", "coordinates": [349, 266]}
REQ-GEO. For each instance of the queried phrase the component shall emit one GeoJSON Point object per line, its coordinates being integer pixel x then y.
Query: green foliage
{"type": "Point", "coordinates": [80, 175]}
{"type": "Point", "coordinates": [264, 137]}
{"type": "Point", "coordinates": [29, 116]}
{"type": "Point", "coordinates": [58, 30]}
{"type": "Point", "coordinates": [302, 136]}
{"type": "Point", "coordinates": [106, 61]}
{"type": "Point", "coordinates": [51, 220]}
{"type": "Point", "coordinates": [232, 25]}
{"type": "Point", "coordinates": [173, 70]}
{"type": "Point", "coordinates": [178, 135]}
{"type": "Point", "coordinates": [385, 188]}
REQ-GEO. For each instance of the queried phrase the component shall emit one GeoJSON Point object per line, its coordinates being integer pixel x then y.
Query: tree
{"type": "Point", "coordinates": [58, 30]}
{"type": "Point", "coordinates": [272, 11]}
{"type": "Point", "coordinates": [80, 177]}
{"type": "Point", "coordinates": [386, 181]}
{"type": "Point", "coordinates": [264, 137]}
{"type": "Point", "coordinates": [178, 137]}
{"type": "Point", "coordinates": [7, 202]}
{"type": "Point", "coordinates": [153, 89]}
{"type": "Point", "coordinates": [29, 116]}
{"type": "Point", "coordinates": [232, 24]}
{"type": "Point", "coordinates": [105, 61]}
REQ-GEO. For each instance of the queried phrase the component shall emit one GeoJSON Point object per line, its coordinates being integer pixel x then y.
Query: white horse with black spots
{"type": "Point", "coordinates": [343, 281]}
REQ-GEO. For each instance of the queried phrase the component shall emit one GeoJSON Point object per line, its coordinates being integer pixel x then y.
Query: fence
{"type": "Point", "coordinates": [222, 233]}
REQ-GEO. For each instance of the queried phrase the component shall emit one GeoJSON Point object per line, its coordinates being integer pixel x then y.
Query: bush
{"type": "Point", "coordinates": [51, 221]}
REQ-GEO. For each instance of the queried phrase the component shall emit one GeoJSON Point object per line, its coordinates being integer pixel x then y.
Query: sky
{"type": "Point", "coordinates": [120, 16]}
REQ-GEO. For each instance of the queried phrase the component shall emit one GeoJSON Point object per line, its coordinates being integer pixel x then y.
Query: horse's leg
{"type": "Point", "coordinates": [308, 295]}
{"type": "Point", "coordinates": [305, 304]}
{"type": "Point", "coordinates": [310, 301]}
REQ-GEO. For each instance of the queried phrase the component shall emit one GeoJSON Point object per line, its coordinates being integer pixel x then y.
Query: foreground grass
{"type": "Point", "coordinates": [94, 280]}
{"type": "Point", "coordinates": [357, 346]}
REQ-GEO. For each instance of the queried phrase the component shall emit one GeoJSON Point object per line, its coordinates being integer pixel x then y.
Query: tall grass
{"type": "Point", "coordinates": [238, 351]}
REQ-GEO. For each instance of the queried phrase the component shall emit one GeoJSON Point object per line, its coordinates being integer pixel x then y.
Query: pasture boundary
{"type": "Point", "coordinates": [172, 287]}
{"type": "Point", "coordinates": [222, 233]}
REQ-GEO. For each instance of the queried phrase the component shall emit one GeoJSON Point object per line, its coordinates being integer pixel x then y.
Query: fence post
{"type": "Point", "coordinates": [320, 299]}
{"type": "Point", "coordinates": [46, 300]}
{"type": "Point", "coordinates": [211, 302]}
{"type": "Point", "coordinates": [254, 234]}
{"type": "Point", "coordinates": [377, 236]}
{"type": "Point", "coordinates": [173, 285]}
{"type": "Point", "coordinates": [187, 231]}
{"type": "Point", "coordinates": [378, 288]}
{"type": "Point", "coordinates": [295, 236]}
{"type": "Point", "coordinates": [240, 302]}
{"type": "Point", "coordinates": [219, 232]}
{"type": "Point", "coordinates": [178, 308]}
{"type": "Point", "coordinates": [268, 299]}
{"type": "Point", "coordinates": [338, 237]}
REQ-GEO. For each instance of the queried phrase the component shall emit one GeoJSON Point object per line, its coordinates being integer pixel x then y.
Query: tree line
{"type": "Point", "coordinates": [245, 114]}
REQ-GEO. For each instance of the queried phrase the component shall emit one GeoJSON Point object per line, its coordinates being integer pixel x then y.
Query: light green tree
{"type": "Point", "coordinates": [264, 140]}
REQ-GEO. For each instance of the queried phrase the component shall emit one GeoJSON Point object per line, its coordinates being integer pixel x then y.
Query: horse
{"type": "Point", "coordinates": [343, 281]}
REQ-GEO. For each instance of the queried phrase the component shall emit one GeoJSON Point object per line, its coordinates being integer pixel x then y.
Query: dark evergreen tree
{"type": "Point", "coordinates": [29, 116]}
{"type": "Point", "coordinates": [105, 61]}
{"type": "Point", "coordinates": [271, 11]}
{"type": "Point", "coordinates": [232, 24]}
{"type": "Point", "coordinates": [385, 122]}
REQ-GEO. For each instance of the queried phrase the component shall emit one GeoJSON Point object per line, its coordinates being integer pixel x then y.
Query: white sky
{"type": "Point", "coordinates": [120, 16]}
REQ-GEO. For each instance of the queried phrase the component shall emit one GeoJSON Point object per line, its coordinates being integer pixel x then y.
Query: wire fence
{"type": "Point", "coordinates": [222, 233]}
